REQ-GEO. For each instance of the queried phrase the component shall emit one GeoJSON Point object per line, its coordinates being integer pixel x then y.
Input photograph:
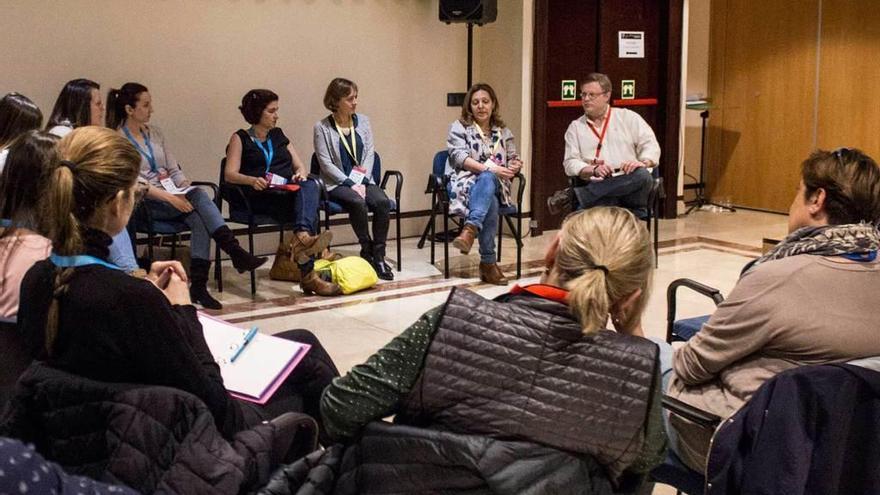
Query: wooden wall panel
{"type": "Point", "coordinates": [849, 102]}
{"type": "Point", "coordinates": [762, 80]}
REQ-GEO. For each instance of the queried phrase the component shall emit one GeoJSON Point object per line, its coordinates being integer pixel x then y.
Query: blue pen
{"type": "Point", "coordinates": [248, 337]}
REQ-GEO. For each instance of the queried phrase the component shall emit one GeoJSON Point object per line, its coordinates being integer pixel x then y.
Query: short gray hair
{"type": "Point", "coordinates": [598, 77]}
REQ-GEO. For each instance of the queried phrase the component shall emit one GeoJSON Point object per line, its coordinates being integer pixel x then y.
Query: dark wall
{"type": "Point", "coordinates": [575, 38]}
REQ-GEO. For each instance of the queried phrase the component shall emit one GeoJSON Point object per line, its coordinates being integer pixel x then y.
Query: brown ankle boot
{"type": "Point", "coordinates": [491, 274]}
{"type": "Point", "coordinates": [313, 284]}
{"type": "Point", "coordinates": [305, 245]}
{"type": "Point", "coordinates": [465, 241]}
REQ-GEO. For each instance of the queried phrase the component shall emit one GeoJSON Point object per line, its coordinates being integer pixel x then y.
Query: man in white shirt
{"type": "Point", "coordinates": [611, 150]}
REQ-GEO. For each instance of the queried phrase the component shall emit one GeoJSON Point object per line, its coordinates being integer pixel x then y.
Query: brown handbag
{"type": "Point", "coordinates": [284, 268]}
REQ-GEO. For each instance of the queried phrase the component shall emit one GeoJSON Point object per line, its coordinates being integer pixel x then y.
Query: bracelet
{"type": "Point", "coordinates": [595, 169]}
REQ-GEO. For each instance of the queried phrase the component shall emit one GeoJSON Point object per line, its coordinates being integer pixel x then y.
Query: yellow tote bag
{"type": "Point", "coordinates": [351, 273]}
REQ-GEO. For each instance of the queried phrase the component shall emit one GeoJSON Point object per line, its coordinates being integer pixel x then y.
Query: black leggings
{"type": "Point", "coordinates": [301, 391]}
{"type": "Point", "coordinates": [358, 209]}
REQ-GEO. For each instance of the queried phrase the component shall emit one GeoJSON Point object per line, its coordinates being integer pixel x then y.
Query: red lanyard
{"type": "Point", "coordinates": [601, 137]}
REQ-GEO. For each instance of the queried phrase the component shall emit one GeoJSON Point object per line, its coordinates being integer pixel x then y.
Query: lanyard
{"type": "Point", "coordinates": [79, 260]}
{"type": "Point", "coordinates": [5, 223]}
{"type": "Point", "coordinates": [601, 136]}
{"type": "Point", "coordinates": [863, 257]}
{"type": "Point", "coordinates": [352, 150]}
{"type": "Point", "coordinates": [268, 150]}
{"type": "Point", "coordinates": [150, 156]}
{"type": "Point", "coordinates": [496, 138]}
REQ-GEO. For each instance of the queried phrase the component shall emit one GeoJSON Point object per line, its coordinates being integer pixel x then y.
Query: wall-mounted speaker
{"type": "Point", "coordinates": [478, 12]}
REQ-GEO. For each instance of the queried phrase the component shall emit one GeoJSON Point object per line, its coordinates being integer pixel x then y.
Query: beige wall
{"type": "Point", "coordinates": [198, 57]}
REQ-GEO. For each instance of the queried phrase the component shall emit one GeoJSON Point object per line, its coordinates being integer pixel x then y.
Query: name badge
{"type": "Point", "coordinates": [357, 174]}
{"type": "Point", "coordinates": [275, 179]}
{"type": "Point", "coordinates": [168, 184]}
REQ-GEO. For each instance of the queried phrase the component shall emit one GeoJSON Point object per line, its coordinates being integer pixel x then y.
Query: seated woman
{"type": "Point", "coordinates": [441, 370]}
{"type": "Point", "coordinates": [22, 185]}
{"type": "Point", "coordinates": [80, 104]}
{"type": "Point", "coordinates": [345, 152]}
{"type": "Point", "coordinates": [261, 156]}
{"type": "Point", "coordinates": [85, 316]}
{"type": "Point", "coordinates": [168, 197]}
{"type": "Point", "coordinates": [483, 156]}
{"type": "Point", "coordinates": [810, 300]}
{"type": "Point", "coordinates": [18, 114]}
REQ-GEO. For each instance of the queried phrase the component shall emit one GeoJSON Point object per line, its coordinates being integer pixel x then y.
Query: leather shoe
{"type": "Point", "coordinates": [305, 245]}
{"type": "Point", "coordinates": [465, 241]}
{"type": "Point", "coordinates": [313, 284]}
{"type": "Point", "coordinates": [383, 270]}
{"type": "Point", "coordinates": [491, 274]}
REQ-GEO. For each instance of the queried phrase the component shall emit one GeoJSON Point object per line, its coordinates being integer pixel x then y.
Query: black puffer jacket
{"type": "Point", "coordinates": [396, 459]}
{"type": "Point", "coordinates": [521, 367]}
{"type": "Point", "coordinates": [152, 439]}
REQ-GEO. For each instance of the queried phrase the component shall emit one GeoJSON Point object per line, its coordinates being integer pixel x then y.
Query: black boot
{"type": "Point", "coordinates": [198, 288]}
{"type": "Point", "coordinates": [367, 251]}
{"type": "Point", "coordinates": [382, 269]}
{"type": "Point", "coordinates": [242, 260]}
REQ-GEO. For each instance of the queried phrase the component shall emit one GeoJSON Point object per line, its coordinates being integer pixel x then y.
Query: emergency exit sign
{"type": "Point", "coordinates": [569, 89]}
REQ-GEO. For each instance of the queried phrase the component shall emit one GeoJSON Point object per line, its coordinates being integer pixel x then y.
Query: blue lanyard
{"type": "Point", "coordinates": [5, 223]}
{"type": "Point", "coordinates": [79, 260]}
{"type": "Point", "coordinates": [863, 257]}
{"type": "Point", "coordinates": [268, 150]}
{"type": "Point", "coordinates": [150, 156]}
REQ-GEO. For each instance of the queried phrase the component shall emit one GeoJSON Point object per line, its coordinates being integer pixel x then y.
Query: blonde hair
{"type": "Point", "coordinates": [604, 255]}
{"type": "Point", "coordinates": [96, 164]}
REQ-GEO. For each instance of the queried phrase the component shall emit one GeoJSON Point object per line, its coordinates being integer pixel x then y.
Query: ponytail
{"type": "Point", "coordinates": [604, 255]}
{"type": "Point", "coordinates": [118, 99]}
{"type": "Point", "coordinates": [96, 164]}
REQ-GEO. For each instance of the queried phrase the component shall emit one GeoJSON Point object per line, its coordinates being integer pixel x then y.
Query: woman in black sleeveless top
{"type": "Point", "coordinates": [262, 157]}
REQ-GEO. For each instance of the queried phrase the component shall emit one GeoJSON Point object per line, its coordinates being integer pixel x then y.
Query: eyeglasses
{"type": "Point", "coordinates": [591, 96]}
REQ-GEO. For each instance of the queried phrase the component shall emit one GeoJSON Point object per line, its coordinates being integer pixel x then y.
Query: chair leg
{"type": "Point", "coordinates": [519, 245]}
{"type": "Point", "coordinates": [218, 272]}
{"type": "Point", "coordinates": [433, 229]}
{"type": "Point", "coordinates": [397, 222]}
{"type": "Point", "coordinates": [445, 242]}
{"type": "Point", "coordinates": [500, 236]}
{"type": "Point", "coordinates": [150, 240]}
{"type": "Point", "coordinates": [251, 250]}
{"type": "Point", "coordinates": [517, 237]}
{"type": "Point", "coordinates": [428, 226]}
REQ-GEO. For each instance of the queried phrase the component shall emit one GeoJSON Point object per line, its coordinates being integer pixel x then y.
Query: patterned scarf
{"type": "Point", "coordinates": [827, 240]}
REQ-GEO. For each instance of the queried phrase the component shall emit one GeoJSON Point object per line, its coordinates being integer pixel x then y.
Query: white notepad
{"type": "Point", "coordinates": [261, 367]}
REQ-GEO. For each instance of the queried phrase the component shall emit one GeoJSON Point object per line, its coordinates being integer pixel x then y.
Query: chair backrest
{"type": "Point", "coordinates": [16, 358]}
{"type": "Point", "coordinates": [438, 168]}
{"type": "Point", "coordinates": [222, 172]}
{"type": "Point", "coordinates": [377, 168]}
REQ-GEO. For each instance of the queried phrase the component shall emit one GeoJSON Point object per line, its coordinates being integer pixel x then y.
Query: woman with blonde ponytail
{"type": "Point", "coordinates": [86, 316]}
{"type": "Point", "coordinates": [535, 364]}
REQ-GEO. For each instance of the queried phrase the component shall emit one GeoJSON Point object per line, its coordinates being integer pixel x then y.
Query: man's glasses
{"type": "Point", "coordinates": [591, 96]}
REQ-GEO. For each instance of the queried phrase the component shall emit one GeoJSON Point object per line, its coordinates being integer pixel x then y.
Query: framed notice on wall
{"type": "Point", "coordinates": [631, 44]}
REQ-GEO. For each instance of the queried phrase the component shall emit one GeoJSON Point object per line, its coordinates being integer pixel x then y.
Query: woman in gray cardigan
{"type": "Point", "coordinates": [345, 153]}
{"type": "Point", "coordinates": [484, 158]}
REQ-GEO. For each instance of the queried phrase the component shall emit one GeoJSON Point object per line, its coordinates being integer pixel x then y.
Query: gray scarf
{"type": "Point", "coordinates": [827, 240]}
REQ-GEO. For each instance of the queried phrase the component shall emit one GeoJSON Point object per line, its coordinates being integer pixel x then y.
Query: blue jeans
{"type": "Point", "coordinates": [302, 205]}
{"type": "Point", "coordinates": [666, 373]}
{"type": "Point", "coordinates": [202, 221]}
{"type": "Point", "coordinates": [483, 213]}
{"type": "Point", "coordinates": [629, 191]}
{"type": "Point", "coordinates": [122, 252]}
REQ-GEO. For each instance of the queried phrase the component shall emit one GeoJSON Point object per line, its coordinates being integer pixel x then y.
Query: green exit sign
{"type": "Point", "coordinates": [628, 89]}
{"type": "Point", "coordinates": [569, 89]}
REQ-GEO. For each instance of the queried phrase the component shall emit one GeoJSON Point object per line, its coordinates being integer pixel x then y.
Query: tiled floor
{"type": "Point", "coordinates": [709, 247]}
